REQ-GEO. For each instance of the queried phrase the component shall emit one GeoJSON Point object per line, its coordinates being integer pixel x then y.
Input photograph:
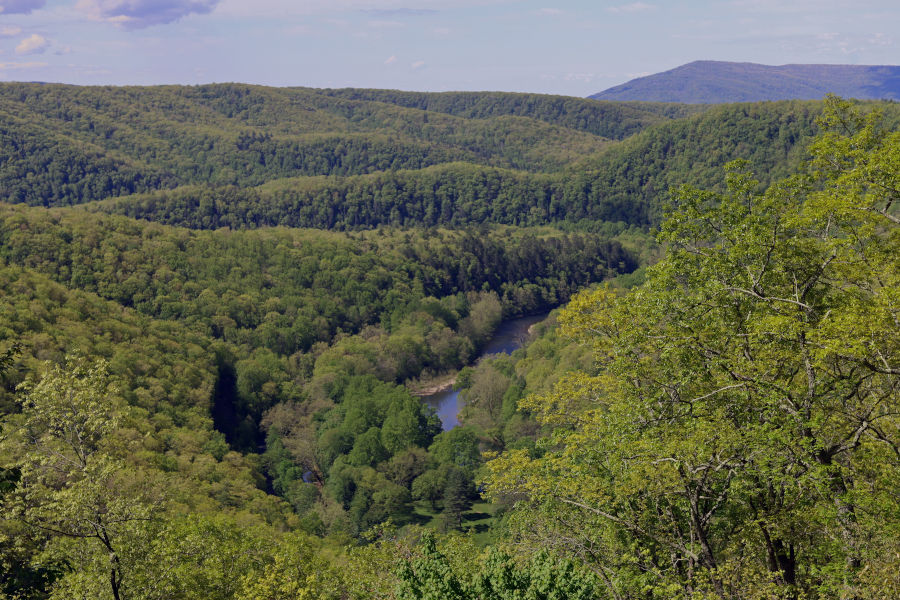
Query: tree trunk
{"type": "Point", "coordinates": [115, 578]}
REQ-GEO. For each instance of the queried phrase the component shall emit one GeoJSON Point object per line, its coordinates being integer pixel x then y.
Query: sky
{"type": "Point", "coordinates": [571, 47]}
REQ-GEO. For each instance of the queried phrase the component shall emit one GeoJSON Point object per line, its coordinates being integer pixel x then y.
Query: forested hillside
{"type": "Point", "coordinates": [614, 120]}
{"type": "Point", "coordinates": [627, 184]}
{"type": "Point", "coordinates": [217, 302]}
{"type": "Point", "coordinates": [358, 158]}
{"type": "Point", "coordinates": [67, 145]}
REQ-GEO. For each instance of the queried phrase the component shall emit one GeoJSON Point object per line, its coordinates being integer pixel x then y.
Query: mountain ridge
{"type": "Point", "coordinates": [716, 82]}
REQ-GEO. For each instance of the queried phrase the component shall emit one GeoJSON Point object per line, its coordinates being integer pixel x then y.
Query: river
{"type": "Point", "coordinates": [509, 336]}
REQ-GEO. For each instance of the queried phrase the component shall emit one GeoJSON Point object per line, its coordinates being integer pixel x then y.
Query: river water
{"type": "Point", "coordinates": [508, 337]}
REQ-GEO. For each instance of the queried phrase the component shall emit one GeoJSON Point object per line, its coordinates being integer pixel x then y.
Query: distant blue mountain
{"type": "Point", "coordinates": [713, 82]}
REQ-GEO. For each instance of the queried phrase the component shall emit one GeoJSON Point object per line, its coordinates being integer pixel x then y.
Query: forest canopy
{"type": "Point", "coordinates": [738, 437]}
{"type": "Point", "coordinates": [217, 305]}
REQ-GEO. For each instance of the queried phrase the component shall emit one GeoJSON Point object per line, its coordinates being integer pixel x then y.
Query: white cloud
{"type": "Point", "coordinates": [390, 60]}
{"type": "Point", "coordinates": [418, 64]}
{"type": "Point", "coordinates": [549, 12]}
{"type": "Point", "coordinates": [33, 44]}
{"type": "Point", "coordinates": [630, 8]}
{"type": "Point", "coordinates": [10, 31]}
{"type": "Point", "coordinates": [137, 14]}
{"type": "Point", "coordinates": [20, 6]}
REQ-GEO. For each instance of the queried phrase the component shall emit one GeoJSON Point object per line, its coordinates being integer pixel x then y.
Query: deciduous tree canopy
{"type": "Point", "coordinates": [740, 438]}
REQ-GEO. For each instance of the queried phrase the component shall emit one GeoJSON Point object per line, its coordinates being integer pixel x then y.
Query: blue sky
{"type": "Point", "coordinates": [569, 47]}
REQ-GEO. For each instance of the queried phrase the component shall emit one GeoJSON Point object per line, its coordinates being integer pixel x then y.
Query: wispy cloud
{"type": "Point", "coordinates": [401, 12]}
{"type": "Point", "coordinates": [850, 45]}
{"type": "Point", "coordinates": [633, 7]}
{"type": "Point", "coordinates": [20, 6]}
{"type": "Point", "coordinates": [828, 46]}
{"type": "Point", "coordinates": [418, 64]}
{"type": "Point", "coordinates": [385, 24]}
{"type": "Point", "coordinates": [13, 66]}
{"type": "Point", "coordinates": [137, 14]}
{"type": "Point", "coordinates": [880, 39]}
{"type": "Point", "coordinates": [549, 12]}
{"type": "Point", "coordinates": [10, 31]}
{"type": "Point", "coordinates": [390, 60]}
{"type": "Point", "coordinates": [794, 6]}
{"type": "Point", "coordinates": [377, 8]}
{"type": "Point", "coordinates": [582, 77]}
{"type": "Point", "coordinates": [33, 44]}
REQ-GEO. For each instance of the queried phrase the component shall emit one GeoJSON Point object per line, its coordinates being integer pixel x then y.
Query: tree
{"type": "Point", "coordinates": [429, 577]}
{"type": "Point", "coordinates": [484, 398]}
{"type": "Point", "coordinates": [429, 486]}
{"type": "Point", "coordinates": [459, 447]}
{"type": "Point", "coordinates": [458, 493]}
{"type": "Point", "coordinates": [742, 435]}
{"type": "Point", "coordinates": [74, 483]}
{"type": "Point", "coordinates": [17, 576]}
{"type": "Point", "coordinates": [294, 570]}
{"type": "Point", "coordinates": [7, 358]}
{"type": "Point", "coordinates": [433, 575]}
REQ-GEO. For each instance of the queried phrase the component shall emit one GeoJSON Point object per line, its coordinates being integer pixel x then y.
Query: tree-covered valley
{"type": "Point", "coordinates": [220, 305]}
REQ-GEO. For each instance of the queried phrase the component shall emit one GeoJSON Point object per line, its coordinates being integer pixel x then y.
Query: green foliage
{"type": "Point", "coordinates": [498, 577]}
{"type": "Point", "coordinates": [446, 195]}
{"type": "Point", "coordinates": [370, 448]}
{"type": "Point", "coordinates": [492, 389]}
{"type": "Point", "coordinates": [349, 159]}
{"type": "Point", "coordinates": [65, 145]}
{"type": "Point", "coordinates": [429, 486]}
{"type": "Point", "coordinates": [275, 297]}
{"type": "Point", "coordinates": [458, 447]}
{"type": "Point", "coordinates": [740, 438]}
{"type": "Point", "coordinates": [606, 119]}
{"type": "Point", "coordinates": [163, 376]}
{"type": "Point", "coordinates": [197, 557]}
{"type": "Point", "coordinates": [296, 344]}
{"type": "Point", "coordinates": [111, 526]}
{"type": "Point", "coordinates": [459, 492]}
{"type": "Point", "coordinates": [165, 369]}
{"type": "Point", "coordinates": [772, 136]}
{"type": "Point", "coordinates": [626, 183]}
{"type": "Point", "coordinates": [430, 578]}
{"type": "Point", "coordinates": [285, 290]}
{"type": "Point", "coordinates": [544, 578]}
{"type": "Point", "coordinates": [8, 356]}
{"type": "Point", "coordinates": [73, 480]}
